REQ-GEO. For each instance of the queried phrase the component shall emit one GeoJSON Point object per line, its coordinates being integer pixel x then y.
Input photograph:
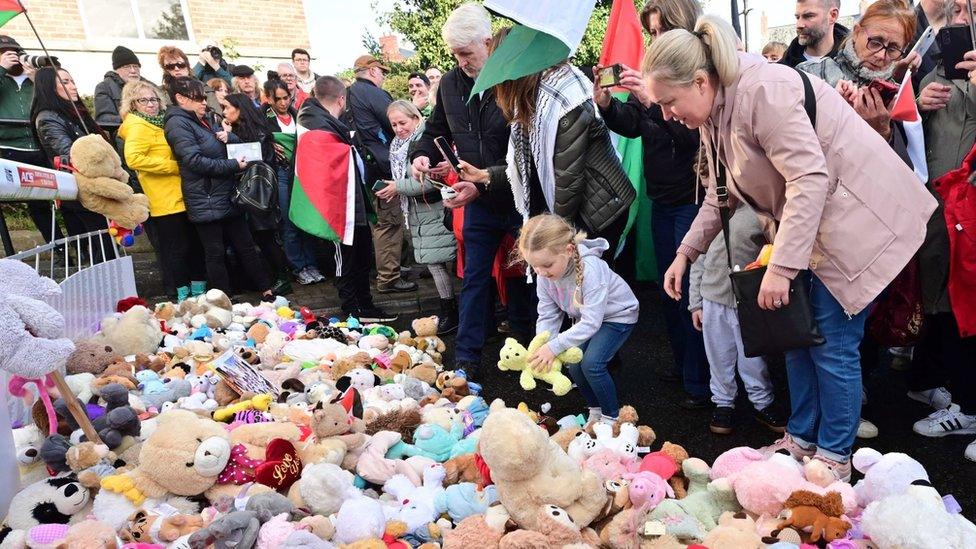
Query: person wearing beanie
{"type": "Point", "coordinates": [126, 67]}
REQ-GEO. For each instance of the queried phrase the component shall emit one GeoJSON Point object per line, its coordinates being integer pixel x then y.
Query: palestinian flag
{"type": "Point", "coordinates": [547, 32]}
{"type": "Point", "coordinates": [8, 10]}
{"type": "Point", "coordinates": [287, 141]}
{"type": "Point", "coordinates": [323, 197]}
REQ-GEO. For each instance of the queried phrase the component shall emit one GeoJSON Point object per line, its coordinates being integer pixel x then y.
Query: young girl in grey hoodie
{"type": "Point", "coordinates": [574, 281]}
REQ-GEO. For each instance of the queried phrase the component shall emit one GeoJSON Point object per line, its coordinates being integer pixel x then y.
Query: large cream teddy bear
{"type": "Point", "coordinates": [32, 342]}
{"type": "Point", "coordinates": [132, 332]}
{"type": "Point", "coordinates": [182, 458]}
{"type": "Point", "coordinates": [530, 470]}
{"type": "Point", "coordinates": [103, 186]}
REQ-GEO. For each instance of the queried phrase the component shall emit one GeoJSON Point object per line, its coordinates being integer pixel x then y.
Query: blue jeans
{"type": "Point", "coordinates": [591, 375]}
{"type": "Point", "coordinates": [669, 224]}
{"type": "Point", "coordinates": [299, 245]}
{"type": "Point", "coordinates": [825, 381]}
{"type": "Point", "coordinates": [483, 233]}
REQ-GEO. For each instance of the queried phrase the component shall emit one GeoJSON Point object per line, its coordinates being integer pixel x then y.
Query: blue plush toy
{"type": "Point", "coordinates": [435, 442]}
{"type": "Point", "coordinates": [150, 382]}
{"type": "Point", "coordinates": [464, 500]}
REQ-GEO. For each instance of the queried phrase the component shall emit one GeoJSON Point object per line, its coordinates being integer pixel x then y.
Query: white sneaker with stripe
{"type": "Point", "coordinates": [946, 422]}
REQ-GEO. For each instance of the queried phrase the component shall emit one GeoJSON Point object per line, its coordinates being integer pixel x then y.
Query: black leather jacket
{"type": "Point", "coordinates": [591, 185]}
{"type": "Point", "coordinates": [56, 133]}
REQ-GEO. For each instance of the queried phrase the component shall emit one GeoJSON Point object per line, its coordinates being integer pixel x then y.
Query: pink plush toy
{"type": "Point", "coordinates": [608, 464]}
{"type": "Point", "coordinates": [240, 468]}
{"type": "Point", "coordinates": [374, 467]}
{"type": "Point", "coordinates": [762, 487]}
{"type": "Point", "coordinates": [647, 489]}
{"type": "Point", "coordinates": [733, 461]}
{"type": "Point", "coordinates": [274, 532]}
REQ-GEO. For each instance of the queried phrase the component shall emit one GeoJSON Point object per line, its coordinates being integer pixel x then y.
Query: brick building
{"type": "Point", "coordinates": [83, 33]}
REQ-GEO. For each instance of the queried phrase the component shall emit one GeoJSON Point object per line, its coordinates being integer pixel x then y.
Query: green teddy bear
{"type": "Point", "coordinates": [515, 357]}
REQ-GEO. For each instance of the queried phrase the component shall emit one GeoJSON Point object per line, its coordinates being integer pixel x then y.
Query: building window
{"type": "Point", "coordinates": [152, 19]}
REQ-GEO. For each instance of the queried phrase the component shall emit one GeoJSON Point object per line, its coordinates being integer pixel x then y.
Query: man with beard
{"type": "Point", "coordinates": [818, 34]}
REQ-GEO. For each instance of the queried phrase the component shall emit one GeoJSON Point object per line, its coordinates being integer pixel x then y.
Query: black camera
{"type": "Point", "coordinates": [37, 61]}
{"type": "Point", "coordinates": [215, 53]}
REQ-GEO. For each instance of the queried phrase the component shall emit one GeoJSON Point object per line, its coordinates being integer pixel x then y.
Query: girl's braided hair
{"type": "Point", "coordinates": [553, 233]}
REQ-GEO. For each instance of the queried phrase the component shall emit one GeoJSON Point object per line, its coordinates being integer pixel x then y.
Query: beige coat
{"type": "Point", "coordinates": [848, 208]}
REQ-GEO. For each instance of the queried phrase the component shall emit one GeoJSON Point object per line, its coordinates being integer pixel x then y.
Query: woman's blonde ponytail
{"type": "Point", "coordinates": [677, 55]}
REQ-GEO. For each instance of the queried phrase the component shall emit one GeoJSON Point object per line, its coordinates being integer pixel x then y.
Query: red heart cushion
{"type": "Point", "coordinates": [282, 466]}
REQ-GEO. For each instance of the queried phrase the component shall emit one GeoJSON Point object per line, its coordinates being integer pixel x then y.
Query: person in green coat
{"type": "Point", "coordinates": [433, 244]}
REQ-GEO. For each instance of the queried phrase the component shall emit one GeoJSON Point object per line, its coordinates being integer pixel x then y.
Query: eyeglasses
{"type": "Point", "coordinates": [892, 51]}
{"type": "Point", "coordinates": [287, 76]}
{"type": "Point", "coordinates": [279, 98]}
{"type": "Point", "coordinates": [174, 66]}
{"type": "Point", "coordinates": [147, 100]}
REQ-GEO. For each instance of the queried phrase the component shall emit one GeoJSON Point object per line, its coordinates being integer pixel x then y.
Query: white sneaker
{"type": "Point", "coordinates": [946, 422]}
{"type": "Point", "coordinates": [866, 429]}
{"type": "Point", "coordinates": [939, 398]}
{"type": "Point", "coordinates": [971, 451]}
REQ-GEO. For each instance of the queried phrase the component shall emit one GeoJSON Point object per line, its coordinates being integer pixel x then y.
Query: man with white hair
{"type": "Point", "coordinates": [288, 75]}
{"type": "Point", "coordinates": [818, 34]}
{"type": "Point", "coordinates": [479, 133]}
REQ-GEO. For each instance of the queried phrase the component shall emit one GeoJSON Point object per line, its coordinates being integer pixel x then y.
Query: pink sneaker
{"type": "Point", "coordinates": [788, 444]}
{"type": "Point", "coordinates": [840, 470]}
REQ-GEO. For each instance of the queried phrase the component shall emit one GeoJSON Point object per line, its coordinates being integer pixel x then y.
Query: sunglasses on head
{"type": "Point", "coordinates": [197, 98]}
{"type": "Point", "coordinates": [174, 66]}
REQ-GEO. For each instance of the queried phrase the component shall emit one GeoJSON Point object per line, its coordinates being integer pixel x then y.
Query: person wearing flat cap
{"type": "Point", "coordinates": [367, 106]}
{"type": "Point", "coordinates": [126, 68]}
{"type": "Point", "coordinates": [245, 82]}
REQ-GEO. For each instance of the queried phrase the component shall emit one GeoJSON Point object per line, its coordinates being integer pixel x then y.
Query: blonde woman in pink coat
{"type": "Point", "coordinates": [850, 213]}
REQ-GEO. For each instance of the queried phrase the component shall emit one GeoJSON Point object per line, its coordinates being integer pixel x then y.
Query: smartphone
{"type": "Point", "coordinates": [924, 42]}
{"type": "Point", "coordinates": [610, 76]}
{"type": "Point", "coordinates": [448, 153]}
{"type": "Point", "coordinates": [954, 41]}
{"type": "Point", "coordinates": [379, 185]}
{"type": "Point", "coordinates": [886, 89]}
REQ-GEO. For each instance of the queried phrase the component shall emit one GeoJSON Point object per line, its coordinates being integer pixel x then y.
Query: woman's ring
{"type": "Point", "coordinates": [778, 303]}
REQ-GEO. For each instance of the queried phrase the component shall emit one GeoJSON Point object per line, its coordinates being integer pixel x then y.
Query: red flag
{"type": "Point", "coordinates": [904, 108]}
{"type": "Point", "coordinates": [623, 42]}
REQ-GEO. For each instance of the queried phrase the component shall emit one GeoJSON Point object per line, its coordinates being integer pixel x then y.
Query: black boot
{"type": "Point", "coordinates": [448, 321]}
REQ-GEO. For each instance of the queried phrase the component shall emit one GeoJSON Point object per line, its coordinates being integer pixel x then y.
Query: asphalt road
{"type": "Point", "coordinates": [656, 402]}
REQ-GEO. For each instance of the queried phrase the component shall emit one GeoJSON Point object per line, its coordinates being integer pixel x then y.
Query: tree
{"type": "Point", "coordinates": [420, 22]}
{"type": "Point", "coordinates": [171, 24]}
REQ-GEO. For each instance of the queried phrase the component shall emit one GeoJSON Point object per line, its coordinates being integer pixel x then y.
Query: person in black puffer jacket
{"type": "Point", "coordinates": [208, 182]}
{"type": "Point", "coordinates": [56, 125]}
{"type": "Point", "coordinates": [479, 133]}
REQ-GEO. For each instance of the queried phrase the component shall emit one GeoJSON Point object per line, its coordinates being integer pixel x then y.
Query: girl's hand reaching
{"type": "Point", "coordinates": [541, 360]}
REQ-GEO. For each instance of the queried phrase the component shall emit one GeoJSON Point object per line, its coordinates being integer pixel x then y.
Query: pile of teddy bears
{"type": "Point", "coordinates": [362, 440]}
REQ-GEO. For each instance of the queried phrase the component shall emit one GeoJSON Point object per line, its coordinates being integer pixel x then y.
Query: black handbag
{"type": "Point", "coordinates": [257, 188]}
{"type": "Point", "coordinates": [790, 327]}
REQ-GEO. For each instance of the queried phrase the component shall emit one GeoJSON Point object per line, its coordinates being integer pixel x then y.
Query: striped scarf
{"type": "Point", "coordinates": [560, 91]}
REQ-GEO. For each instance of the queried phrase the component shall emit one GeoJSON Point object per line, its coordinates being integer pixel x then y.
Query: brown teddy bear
{"type": "Point", "coordinates": [332, 422]}
{"type": "Point", "coordinates": [91, 356]}
{"type": "Point", "coordinates": [103, 186]}
{"type": "Point", "coordinates": [819, 512]}
{"type": "Point", "coordinates": [425, 372]}
{"type": "Point", "coordinates": [404, 421]}
{"type": "Point", "coordinates": [452, 387]}
{"type": "Point", "coordinates": [628, 414]}
{"type": "Point", "coordinates": [426, 337]}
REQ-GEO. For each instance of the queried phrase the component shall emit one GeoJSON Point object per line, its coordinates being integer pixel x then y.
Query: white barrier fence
{"type": "Point", "coordinates": [90, 288]}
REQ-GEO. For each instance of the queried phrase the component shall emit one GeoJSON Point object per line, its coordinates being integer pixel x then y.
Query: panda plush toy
{"type": "Point", "coordinates": [56, 500]}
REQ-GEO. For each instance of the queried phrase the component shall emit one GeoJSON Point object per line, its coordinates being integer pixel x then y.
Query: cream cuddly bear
{"type": "Point", "coordinates": [134, 331]}
{"type": "Point", "coordinates": [530, 470]}
{"type": "Point", "coordinates": [103, 186]}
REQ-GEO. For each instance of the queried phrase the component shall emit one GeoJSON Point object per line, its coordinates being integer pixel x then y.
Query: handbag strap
{"type": "Point", "coordinates": [721, 184]}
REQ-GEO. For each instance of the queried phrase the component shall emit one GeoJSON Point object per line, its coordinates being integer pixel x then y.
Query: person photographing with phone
{"type": "Point", "coordinates": [870, 65]}
{"type": "Point", "coordinates": [670, 153]}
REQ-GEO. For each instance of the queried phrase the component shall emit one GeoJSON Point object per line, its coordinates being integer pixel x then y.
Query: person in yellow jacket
{"type": "Point", "coordinates": [149, 155]}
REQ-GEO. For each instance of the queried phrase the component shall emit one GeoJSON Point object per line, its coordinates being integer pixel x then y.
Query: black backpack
{"type": "Point", "coordinates": [257, 189]}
